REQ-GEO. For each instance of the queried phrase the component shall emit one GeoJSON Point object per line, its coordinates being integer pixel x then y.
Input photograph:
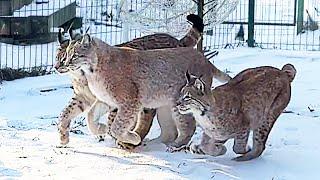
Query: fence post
{"type": "Point", "coordinates": [200, 13]}
{"type": "Point", "coordinates": [125, 32]}
{"type": "Point", "coordinates": [300, 12]}
{"type": "Point", "coordinates": [251, 23]}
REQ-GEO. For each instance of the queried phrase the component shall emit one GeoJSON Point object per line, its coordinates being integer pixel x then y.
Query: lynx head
{"type": "Point", "coordinates": [192, 97]}
{"type": "Point", "coordinates": [64, 44]}
{"type": "Point", "coordinates": [75, 55]}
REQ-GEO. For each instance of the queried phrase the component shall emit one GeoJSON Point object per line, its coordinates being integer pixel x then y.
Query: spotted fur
{"type": "Point", "coordinates": [130, 80]}
{"type": "Point", "coordinates": [147, 42]}
{"type": "Point", "coordinates": [252, 100]}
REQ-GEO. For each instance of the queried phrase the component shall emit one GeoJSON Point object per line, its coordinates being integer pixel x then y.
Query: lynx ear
{"type": "Point", "coordinates": [61, 38]}
{"type": "Point", "coordinates": [199, 84]}
{"type": "Point", "coordinates": [188, 77]}
{"type": "Point", "coordinates": [86, 39]}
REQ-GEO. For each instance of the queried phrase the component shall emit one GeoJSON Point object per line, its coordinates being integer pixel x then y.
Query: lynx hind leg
{"type": "Point", "coordinates": [121, 128]}
{"type": "Point", "coordinates": [144, 122]}
{"type": "Point", "coordinates": [209, 146]}
{"type": "Point", "coordinates": [167, 125]}
{"type": "Point", "coordinates": [75, 107]}
{"type": "Point", "coordinates": [240, 142]}
{"type": "Point", "coordinates": [260, 136]}
{"type": "Point", "coordinates": [261, 133]}
{"type": "Point", "coordinates": [186, 126]}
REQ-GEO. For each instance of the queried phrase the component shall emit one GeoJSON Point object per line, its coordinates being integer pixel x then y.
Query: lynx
{"type": "Point", "coordinates": [84, 99]}
{"type": "Point", "coordinates": [129, 80]}
{"type": "Point", "coordinates": [252, 100]}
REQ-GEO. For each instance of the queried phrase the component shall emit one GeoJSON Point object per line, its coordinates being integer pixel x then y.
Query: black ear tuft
{"type": "Point", "coordinates": [197, 22]}
{"type": "Point", "coordinates": [70, 31]}
{"type": "Point", "coordinates": [188, 77]}
{"type": "Point", "coordinates": [87, 30]}
{"type": "Point", "coordinates": [86, 39]}
{"type": "Point", "coordinates": [61, 39]}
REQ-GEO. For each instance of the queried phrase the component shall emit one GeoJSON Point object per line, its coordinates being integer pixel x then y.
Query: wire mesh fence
{"type": "Point", "coordinates": [28, 28]}
{"type": "Point", "coordinates": [286, 24]}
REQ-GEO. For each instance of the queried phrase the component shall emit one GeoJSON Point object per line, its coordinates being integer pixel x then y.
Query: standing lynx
{"type": "Point", "coordinates": [129, 80]}
{"type": "Point", "coordinates": [252, 100]}
{"type": "Point", "coordinates": [84, 98]}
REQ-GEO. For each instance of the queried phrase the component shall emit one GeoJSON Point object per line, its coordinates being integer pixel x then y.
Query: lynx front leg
{"type": "Point", "coordinates": [110, 119]}
{"type": "Point", "coordinates": [186, 126]}
{"type": "Point", "coordinates": [142, 126]}
{"type": "Point", "coordinates": [123, 124]}
{"type": "Point", "coordinates": [75, 107]}
{"type": "Point", "coordinates": [97, 110]}
{"type": "Point", "coordinates": [167, 124]}
{"type": "Point", "coordinates": [209, 146]}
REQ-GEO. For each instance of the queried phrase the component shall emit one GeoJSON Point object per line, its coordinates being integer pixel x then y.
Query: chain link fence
{"type": "Point", "coordinates": [28, 28]}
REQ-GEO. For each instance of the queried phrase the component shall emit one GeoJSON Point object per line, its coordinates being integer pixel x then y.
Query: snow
{"type": "Point", "coordinates": [29, 137]}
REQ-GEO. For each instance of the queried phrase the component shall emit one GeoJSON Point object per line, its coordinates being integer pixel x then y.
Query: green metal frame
{"type": "Point", "coordinates": [300, 12]}
{"type": "Point", "coordinates": [251, 23]}
{"type": "Point", "coordinates": [200, 13]}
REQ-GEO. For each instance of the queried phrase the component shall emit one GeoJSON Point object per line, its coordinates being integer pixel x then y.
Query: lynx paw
{"type": "Point", "coordinates": [126, 146]}
{"type": "Point", "coordinates": [102, 129]}
{"type": "Point", "coordinates": [64, 137]}
{"type": "Point", "coordinates": [246, 157]}
{"type": "Point", "coordinates": [129, 137]}
{"type": "Point", "coordinates": [100, 138]}
{"type": "Point", "coordinates": [241, 149]}
{"type": "Point", "coordinates": [213, 150]}
{"type": "Point", "coordinates": [173, 149]}
{"type": "Point", "coordinates": [195, 149]}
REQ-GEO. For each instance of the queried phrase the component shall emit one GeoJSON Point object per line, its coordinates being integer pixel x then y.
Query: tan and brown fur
{"type": "Point", "coordinates": [84, 99]}
{"type": "Point", "coordinates": [129, 80]}
{"type": "Point", "coordinates": [252, 100]}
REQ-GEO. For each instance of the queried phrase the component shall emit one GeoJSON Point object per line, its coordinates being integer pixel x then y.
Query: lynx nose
{"type": "Point", "coordinates": [56, 66]}
{"type": "Point", "coordinates": [178, 102]}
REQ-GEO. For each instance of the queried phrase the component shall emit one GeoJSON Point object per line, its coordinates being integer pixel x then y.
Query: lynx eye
{"type": "Point", "coordinates": [187, 96]}
{"type": "Point", "coordinates": [200, 93]}
{"type": "Point", "coordinates": [75, 56]}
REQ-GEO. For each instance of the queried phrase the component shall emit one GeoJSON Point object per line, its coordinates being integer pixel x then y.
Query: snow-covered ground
{"type": "Point", "coordinates": [28, 133]}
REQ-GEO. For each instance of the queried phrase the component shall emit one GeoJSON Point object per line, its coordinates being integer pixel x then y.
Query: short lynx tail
{"type": "Point", "coordinates": [194, 34]}
{"type": "Point", "coordinates": [290, 71]}
{"type": "Point", "coordinates": [197, 22]}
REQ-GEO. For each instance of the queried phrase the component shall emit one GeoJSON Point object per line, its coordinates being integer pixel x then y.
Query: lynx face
{"type": "Point", "coordinates": [72, 58]}
{"type": "Point", "coordinates": [192, 97]}
{"type": "Point", "coordinates": [60, 59]}
{"type": "Point", "coordinates": [66, 54]}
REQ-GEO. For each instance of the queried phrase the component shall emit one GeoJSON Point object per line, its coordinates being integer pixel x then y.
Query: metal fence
{"type": "Point", "coordinates": [28, 33]}
{"type": "Point", "coordinates": [285, 24]}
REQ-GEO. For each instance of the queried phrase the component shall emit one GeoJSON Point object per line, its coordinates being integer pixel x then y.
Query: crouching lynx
{"type": "Point", "coordinates": [83, 98]}
{"type": "Point", "coordinates": [252, 100]}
